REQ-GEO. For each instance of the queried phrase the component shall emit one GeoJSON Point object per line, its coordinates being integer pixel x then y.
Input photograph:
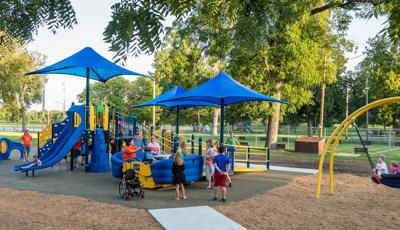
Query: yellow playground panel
{"type": "Point", "coordinates": [144, 173]}
{"type": "Point", "coordinates": [45, 135]}
{"type": "Point", "coordinates": [339, 132]}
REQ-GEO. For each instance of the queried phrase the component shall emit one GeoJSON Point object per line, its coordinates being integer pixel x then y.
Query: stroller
{"type": "Point", "coordinates": [130, 185]}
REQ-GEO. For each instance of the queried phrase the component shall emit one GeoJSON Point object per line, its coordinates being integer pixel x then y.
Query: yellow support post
{"type": "Point", "coordinates": [340, 130]}
{"type": "Point", "coordinates": [92, 118]}
{"type": "Point", "coordinates": [106, 118]}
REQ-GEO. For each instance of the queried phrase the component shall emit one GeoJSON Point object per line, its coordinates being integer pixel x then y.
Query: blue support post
{"type": "Point", "coordinates": [192, 143]}
{"type": "Point", "coordinates": [116, 139]}
{"type": "Point", "coordinates": [135, 129]}
{"type": "Point", "coordinates": [248, 155]}
{"type": "Point", "coordinates": [176, 143]}
{"type": "Point", "coordinates": [200, 146]}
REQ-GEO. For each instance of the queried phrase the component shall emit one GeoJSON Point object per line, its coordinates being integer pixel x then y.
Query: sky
{"type": "Point", "coordinates": [93, 18]}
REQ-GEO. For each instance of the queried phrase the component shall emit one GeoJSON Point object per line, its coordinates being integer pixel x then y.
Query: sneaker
{"type": "Point", "coordinates": [215, 198]}
{"type": "Point", "coordinates": [208, 187]}
{"type": "Point", "coordinates": [223, 199]}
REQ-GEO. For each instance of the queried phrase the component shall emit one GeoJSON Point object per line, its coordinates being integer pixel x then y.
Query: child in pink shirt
{"type": "Point", "coordinates": [395, 167]}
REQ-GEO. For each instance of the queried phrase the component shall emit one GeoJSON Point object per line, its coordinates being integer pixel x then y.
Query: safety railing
{"type": "Point", "coordinates": [252, 154]}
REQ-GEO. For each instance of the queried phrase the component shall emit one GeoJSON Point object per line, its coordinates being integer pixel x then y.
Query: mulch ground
{"type": "Point", "coordinates": [357, 204]}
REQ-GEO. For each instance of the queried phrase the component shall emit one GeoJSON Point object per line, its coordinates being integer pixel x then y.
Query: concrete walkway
{"type": "Point", "coordinates": [193, 218]}
{"type": "Point", "coordinates": [282, 169]}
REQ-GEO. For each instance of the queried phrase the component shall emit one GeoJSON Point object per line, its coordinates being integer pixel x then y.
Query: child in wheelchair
{"type": "Point", "coordinates": [130, 185]}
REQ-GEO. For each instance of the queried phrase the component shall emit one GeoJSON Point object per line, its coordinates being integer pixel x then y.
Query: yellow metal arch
{"type": "Point", "coordinates": [339, 132]}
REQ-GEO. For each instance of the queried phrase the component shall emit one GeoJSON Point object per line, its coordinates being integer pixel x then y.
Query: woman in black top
{"type": "Point", "coordinates": [179, 179]}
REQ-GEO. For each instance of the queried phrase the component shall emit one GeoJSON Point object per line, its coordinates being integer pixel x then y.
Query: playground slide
{"type": "Point", "coordinates": [65, 141]}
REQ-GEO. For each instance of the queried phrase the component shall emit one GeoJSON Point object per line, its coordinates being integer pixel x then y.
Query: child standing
{"type": "Point", "coordinates": [381, 167]}
{"type": "Point", "coordinates": [395, 167]}
{"type": "Point", "coordinates": [179, 179]}
{"type": "Point", "coordinates": [222, 166]}
{"type": "Point", "coordinates": [209, 156]}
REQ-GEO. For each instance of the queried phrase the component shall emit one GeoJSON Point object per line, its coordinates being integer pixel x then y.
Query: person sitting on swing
{"type": "Point", "coordinates": [381, 167]}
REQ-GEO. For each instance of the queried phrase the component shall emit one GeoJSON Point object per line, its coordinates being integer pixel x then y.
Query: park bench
{"type": "Point", "coordinates": [280, 146]}
{"type": "Point", "coordinates": [359, 150]}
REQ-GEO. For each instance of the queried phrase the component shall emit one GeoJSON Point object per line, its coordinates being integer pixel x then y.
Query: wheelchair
{"type": "Point", "coordinates": [130, 185]}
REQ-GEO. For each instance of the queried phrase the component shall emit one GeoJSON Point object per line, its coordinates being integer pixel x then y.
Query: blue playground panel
{"type": "Point", "coordinates": [8, 146]}
{"type": "Point", "coordinates": [162, 170]}
{"type": "Point", "coordinates": [99, 162]}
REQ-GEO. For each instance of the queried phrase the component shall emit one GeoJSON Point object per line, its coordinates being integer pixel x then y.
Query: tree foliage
{"type": "Point", "coordinates": [381, 66]}
{"type": "Point", "coordinates": [22, 19]}
{"type": "Point", "coordinates": [121, 94]}
{"type": "Point", "coordinates": [18, 91]}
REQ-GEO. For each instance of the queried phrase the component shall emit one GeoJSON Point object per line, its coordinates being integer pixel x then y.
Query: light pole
{"type": "Point", "coordinates": [347, 108]}
{"type": "Point", "coordinates": [154, 96]}
{"type": "Point", "coordinates": [63, 84]}
{"type": "Point", "coordinates": [321, 115]}
{"type": "Point", "coordinates": [366, 102]}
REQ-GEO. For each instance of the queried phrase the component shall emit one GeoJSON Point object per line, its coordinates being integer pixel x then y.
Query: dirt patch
{"type": "Point", "coordinates": [33, 210]}
{"type": "Point", "coordinates": [357, 204]}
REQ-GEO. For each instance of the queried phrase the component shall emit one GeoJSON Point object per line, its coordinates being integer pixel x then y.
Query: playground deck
{"type": "Point", "coordinates": [104, 188]}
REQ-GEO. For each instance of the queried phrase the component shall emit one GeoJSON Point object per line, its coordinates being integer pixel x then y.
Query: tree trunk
{"type": "Point", "coordinates": [309, 127]}
{"type": "Point", "coordinates": [273, 121]}
{"type": "Point", "coordinates": [198, 120]}
{"type": "Point", "coordinates": [23, 117]}
{"type": "Point", "coordinates": [215, 122]}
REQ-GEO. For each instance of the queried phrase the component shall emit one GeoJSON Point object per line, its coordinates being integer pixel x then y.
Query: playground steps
{"type": "Point", "coordinates": [199, 217]}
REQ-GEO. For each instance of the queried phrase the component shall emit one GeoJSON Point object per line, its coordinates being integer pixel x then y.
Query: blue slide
{"type": "Point", "coordinates": [64, 143]}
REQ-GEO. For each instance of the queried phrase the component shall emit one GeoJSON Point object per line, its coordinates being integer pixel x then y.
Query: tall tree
{"type": "Point", "coordinates": [121, 94]}
{"type": "Point", "coordinates": [18, 91]}
{"type": "Point", "coordinates": [381, 66]}
{"type": "Point", "coordinates": [284, 56]}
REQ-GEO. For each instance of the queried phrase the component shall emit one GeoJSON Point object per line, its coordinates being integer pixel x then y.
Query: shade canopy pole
{"type": "Point", "coordinates": [87, 125]}
{"type": "Point", "coordinates": [221, 132]}
{"type": "Point", "coordinates": [177, 121]}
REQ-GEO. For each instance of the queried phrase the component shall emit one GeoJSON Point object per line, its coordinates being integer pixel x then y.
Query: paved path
{"type": "Point", "coordinates": [282, 169]}
{"type": "Point", "coordinates": [104, 188]}
{"type": "Point", "coordinates": [194, 218]}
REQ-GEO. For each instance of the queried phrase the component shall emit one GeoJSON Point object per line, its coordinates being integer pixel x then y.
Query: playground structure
{"type": "Point", "coordinates": [158, 174]}
{"type": "Point", "coordinates": [7, 146]}
{"type": "Point", "coordinates": [338, 133]}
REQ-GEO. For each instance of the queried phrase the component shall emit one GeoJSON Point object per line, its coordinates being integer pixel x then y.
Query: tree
{"type": "Point", "coordinates": [121, 94]}
{"type": "Point", "coordinates": [18, 91]}
{"type": "Point", "coordinates": [284, 56]}
{"type": "Point", "coordinates": [381, 66]}
{"type": "Point", "coordinates": [181, 63]}
{"type": "Point", "coordinates": [136, 25]}
{"type": "Point", "coordinates": [367, 9]}
{"type": "Point", "coordinates": [21, 19]}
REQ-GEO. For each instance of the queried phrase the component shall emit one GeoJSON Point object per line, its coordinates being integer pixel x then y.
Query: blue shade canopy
{"type": "Point", "coordinates": [222, 90]}
{"type": "Point", "coordinates": [100, 69]}
{"type": "Point", "coordinates": [171, 94]}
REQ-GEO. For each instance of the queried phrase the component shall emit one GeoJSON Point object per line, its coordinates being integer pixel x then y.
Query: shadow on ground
{"type": "Point", "coordinates": [103, 187]}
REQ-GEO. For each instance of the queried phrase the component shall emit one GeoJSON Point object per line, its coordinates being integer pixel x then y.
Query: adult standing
{"type": "Point", "coordinates": [26, 140]}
